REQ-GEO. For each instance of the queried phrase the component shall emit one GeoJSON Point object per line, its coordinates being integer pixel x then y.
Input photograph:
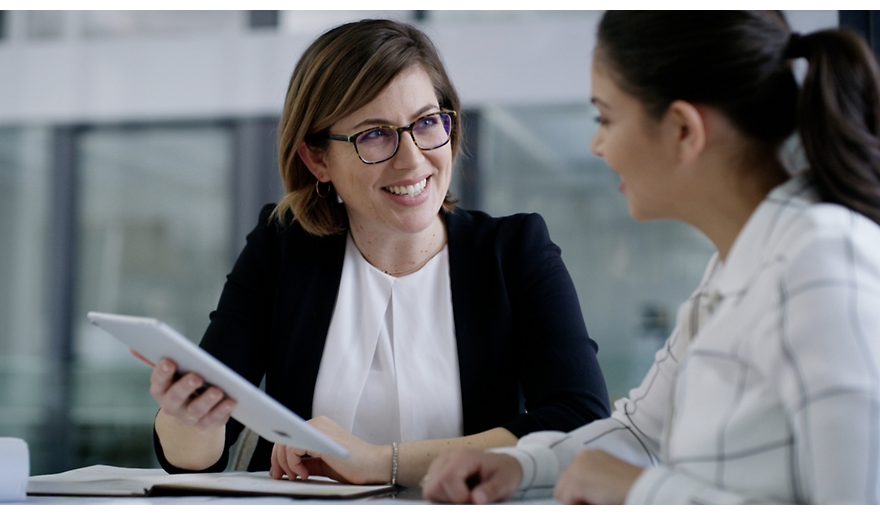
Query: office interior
{"type": "Point", "coordinates": [136, 148]}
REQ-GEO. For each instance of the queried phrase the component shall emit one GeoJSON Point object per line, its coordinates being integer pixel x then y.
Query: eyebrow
{"type": "Point", "coordinates": [370, 122]}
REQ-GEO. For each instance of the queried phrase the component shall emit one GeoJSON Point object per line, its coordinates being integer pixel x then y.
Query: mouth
{"type": "Point", "coordinates": [408, 190]}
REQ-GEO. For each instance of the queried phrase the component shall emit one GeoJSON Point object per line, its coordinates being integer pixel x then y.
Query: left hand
{"type": "Point", "coordinates": [366, 463]}
{"type": "Point", "coordinates": [596, 477]}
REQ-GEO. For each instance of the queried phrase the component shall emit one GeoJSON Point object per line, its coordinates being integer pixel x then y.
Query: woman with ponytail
{"type": "Point", "coordinates": [768, 389]}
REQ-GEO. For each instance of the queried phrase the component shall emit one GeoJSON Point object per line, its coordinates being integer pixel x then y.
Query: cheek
{"type": "Point", "coordinates": [614, 152]}
{"type": "Point", "coordinates": [443, 164]}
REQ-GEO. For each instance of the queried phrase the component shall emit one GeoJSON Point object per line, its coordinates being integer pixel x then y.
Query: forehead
{"type": "Point", "coordinates": [604, 88]}
{"type": "Point", "coordinates": [406, 97]}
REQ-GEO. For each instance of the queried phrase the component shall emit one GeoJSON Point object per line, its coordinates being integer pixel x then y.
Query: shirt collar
{"type": "Point", "coordinates": [763, 232]}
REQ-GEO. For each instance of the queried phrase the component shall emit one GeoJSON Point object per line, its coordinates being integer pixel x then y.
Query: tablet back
{"type": "Point", "coordinates": [254, 408]}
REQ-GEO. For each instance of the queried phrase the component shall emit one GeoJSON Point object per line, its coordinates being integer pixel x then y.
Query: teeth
{"type": "Point", "coordinates": [410, 190]}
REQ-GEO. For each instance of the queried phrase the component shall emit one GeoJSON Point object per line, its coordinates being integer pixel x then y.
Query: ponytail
{"type": "Point", "coordinates": [839, 118]}
{"type": "Point", "coordinates": [740, 63]}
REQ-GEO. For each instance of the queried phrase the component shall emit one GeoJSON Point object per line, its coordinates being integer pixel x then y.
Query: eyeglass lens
{"type": "Point", "coordinates": [428, 132]}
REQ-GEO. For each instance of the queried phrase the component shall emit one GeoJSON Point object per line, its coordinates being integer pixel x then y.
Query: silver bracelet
{"type": "Point", "coordinates": [394, 464]}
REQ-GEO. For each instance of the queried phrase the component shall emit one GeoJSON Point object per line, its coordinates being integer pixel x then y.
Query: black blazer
{"type": "Point", "coordinates": [526, 361]}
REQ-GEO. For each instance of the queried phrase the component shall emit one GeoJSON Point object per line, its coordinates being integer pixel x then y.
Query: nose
{"type": "Point", "coordinates": [408, 154]}
{"type": "Point", "coordinates": [596, 143]}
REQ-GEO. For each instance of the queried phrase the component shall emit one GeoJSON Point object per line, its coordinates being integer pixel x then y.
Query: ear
{"type": "Point", "coordinates": [689, 126]}
{"type": "Point", "coordinates": [314, 160]}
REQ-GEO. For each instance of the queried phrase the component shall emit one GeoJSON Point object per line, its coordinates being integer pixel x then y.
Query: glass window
{"type": "Point", "coordinates": [630, 276]}
{"type": "Point", "coordinates": [153, 240]}
{"type": "Point", "coordinates": [45, 25]}
{"type": "Point", "coordinates": [315, 22]}
{"type": "Point", "coordinates": [24, 215]}
{"type": "Point", "coordinates": [102, 24]}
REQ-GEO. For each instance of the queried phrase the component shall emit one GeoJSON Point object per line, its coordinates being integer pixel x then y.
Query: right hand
{"type": "Point", "coordinates": [182, 399]}
{"type": "Point", "coordinates": [469, 476]}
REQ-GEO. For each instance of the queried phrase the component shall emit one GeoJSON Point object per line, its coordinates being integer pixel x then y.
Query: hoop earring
{"type": "Point", "coordinates": [318, 190]}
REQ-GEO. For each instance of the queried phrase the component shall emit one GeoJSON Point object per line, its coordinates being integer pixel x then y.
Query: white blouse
{"type": "Point", "coordinates": [389, 371]}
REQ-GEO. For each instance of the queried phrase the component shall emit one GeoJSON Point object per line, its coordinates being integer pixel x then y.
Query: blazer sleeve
{"type": "Point", "coordinates": [239, 329]}
{"type": "Point", "coordinates": [562, 383]}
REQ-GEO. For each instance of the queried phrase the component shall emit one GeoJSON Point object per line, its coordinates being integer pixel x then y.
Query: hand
{"type": "Point", "coordinates": [469, 476]}
{"type": "Point", "coordinates": [596, 477]}
{"type": "Point", "coordinates": [183, 399]}
{"type": "Point", "coordinates": [366, 463]}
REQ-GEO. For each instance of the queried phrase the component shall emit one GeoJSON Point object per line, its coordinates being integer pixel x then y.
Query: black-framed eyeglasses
{"type": "Point", "coordinates": [378, 144]}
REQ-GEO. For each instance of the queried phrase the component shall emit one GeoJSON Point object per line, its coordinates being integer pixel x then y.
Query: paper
{"type": "Point", "coordinates": [97, 481]}
{"type": "Point", "coordinates": [112, 481]}
{"type": "Point", "coordinates": [15, 467]}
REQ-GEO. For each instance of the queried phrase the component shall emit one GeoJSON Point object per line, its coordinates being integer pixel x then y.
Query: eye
{"type": "Point", "coordinates": [375, 135]}
{"type": "Point", "coordinates": [599, 119]}
{"type": "Point", "coordinates": [428, 121]}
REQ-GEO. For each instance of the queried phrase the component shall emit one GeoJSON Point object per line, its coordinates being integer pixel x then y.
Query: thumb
{"type": "Point", "coordinates": [494, 487]}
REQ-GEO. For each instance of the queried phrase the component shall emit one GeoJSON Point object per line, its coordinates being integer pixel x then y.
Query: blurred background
{"type": "Point", "coordinates": [136, 148]}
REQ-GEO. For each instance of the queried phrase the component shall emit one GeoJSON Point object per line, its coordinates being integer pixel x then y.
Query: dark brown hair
{"type": "Point", "coordinates": [341, 71]}
{"type": "Point", "coordinates": [740, 63]}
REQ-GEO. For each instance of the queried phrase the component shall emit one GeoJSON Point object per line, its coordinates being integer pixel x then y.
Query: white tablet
{"type": "Point", "coordinates": [254, 408]}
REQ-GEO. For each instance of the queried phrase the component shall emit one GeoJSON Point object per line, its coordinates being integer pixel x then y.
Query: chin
{"type": "Point", "coordinates": [417, 222]}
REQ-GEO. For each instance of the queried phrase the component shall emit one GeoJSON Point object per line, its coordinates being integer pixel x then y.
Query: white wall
{"type": "Point", "coordinates": [492, 60]}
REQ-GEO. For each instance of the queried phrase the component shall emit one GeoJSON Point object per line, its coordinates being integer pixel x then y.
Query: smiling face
{"type": "Point", "coordinates": [404, 193]}
{"type": "Point", "coordinates": [634, 146]}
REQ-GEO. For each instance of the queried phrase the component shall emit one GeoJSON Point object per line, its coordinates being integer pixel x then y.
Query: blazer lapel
{"type": "Point", "coordinates": [466, 312]}
{"type": "Point", "coordinates": [308, 284]}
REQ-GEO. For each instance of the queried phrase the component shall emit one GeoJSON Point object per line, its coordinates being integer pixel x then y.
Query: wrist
{"type": "Point", "coordinates": [382, 467]}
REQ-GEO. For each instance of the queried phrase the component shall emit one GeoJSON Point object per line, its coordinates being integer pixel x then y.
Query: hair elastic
{"type": "Point", "coordinates": [795, 47]}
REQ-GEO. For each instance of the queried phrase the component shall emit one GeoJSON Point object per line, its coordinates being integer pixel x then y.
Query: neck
{"type": "Point", "coordinates": [724, 207]}
{"type": "Point", "coordinates": [400, 254]}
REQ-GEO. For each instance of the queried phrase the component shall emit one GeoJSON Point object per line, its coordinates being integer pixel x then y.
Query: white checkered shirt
{"type": "Point", "coordinates": [776, 396]}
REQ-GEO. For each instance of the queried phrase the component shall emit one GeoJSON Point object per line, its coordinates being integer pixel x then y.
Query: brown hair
{"type": "Point", "coordinates": [340, 72]}
{"type": "Point", "coordinates": [740, 63]}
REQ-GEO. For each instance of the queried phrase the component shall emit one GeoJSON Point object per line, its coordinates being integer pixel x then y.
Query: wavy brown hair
{"type": "Point", "coordinates": [341, 71]}
{"type": "Point", "coordinates": [740, 63]}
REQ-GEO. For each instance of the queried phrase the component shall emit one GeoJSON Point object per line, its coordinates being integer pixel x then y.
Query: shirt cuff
{"type": "Point", "coordinates": [662, 486]}
{"type": "Point", "coordinates": [539, 464]}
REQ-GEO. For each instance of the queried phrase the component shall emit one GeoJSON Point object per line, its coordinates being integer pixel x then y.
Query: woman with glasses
{"type": "Point", "coordinates": [398, 324]}
{"type": "Point", "coordinates": [768, 389]}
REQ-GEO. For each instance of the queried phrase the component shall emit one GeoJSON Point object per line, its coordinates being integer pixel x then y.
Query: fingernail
{"type": "Point", "coordinates": [164, 366]}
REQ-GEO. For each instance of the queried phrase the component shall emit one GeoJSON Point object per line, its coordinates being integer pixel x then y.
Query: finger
{"type": "Point", "coordinates": [175, 400]}
{"type": "Point", "coordinates": [182, 390]}
{"type": "Point", "coordinates": [219, 414]}
{"type": "Point", "coordinates": [140, 357]}
{"type": "Point", "coordinates": [499, 480]}
{"type": "Point", "coordinates": [161, 378]}
{"type": "Point", "coordinates": [496, 488]}
{"type": "Point", "coordinates": [201, 404]}
{"type": "Point", "coordinates": [273, 465]}
{"type": "Point", "coordinates": [318, 466]}
{"type": "Point", "coordinates": [281, 459]}
{"type": "Point", "coordinates": [294, 463]}
{"type": "Point", "coordinates": [275, 469]}
{"type": "Point", "coordinates": [449, 481]}
{"type": "Point", "coordinates": [433, 483]}
{"type": "Point", "coordinates": [568, 490]}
